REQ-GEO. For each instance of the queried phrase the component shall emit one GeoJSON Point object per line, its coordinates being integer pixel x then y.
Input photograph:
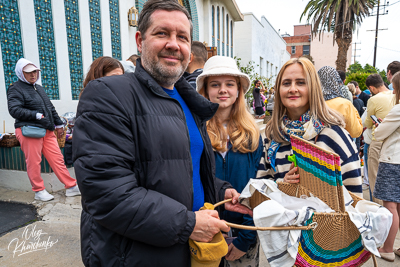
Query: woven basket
{"type": "Point", "coordinates": [9, 140]}
{"type": "Point", "coordinates": [61, 141]}
{"type": "Point", "coordinates": [336, 241]}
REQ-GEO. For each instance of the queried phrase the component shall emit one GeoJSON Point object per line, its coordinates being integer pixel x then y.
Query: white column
{"type": "Point", "coordinates": [105, 27]}
{"type": "Point", "coordinates": [61, 47]}
{"type": "Point", "coordinates": [128, 42]}
{"type": "Point", "coordinates": [86, 35]}
{"type": "Point", "coordinates": [4, 114]}
{"type": "Point", "coordinates": [28, 30]}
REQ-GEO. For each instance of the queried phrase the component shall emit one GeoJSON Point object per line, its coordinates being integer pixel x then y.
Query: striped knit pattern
{"type": "Point", "coordinates": [334, 139]}
{"type": "Point", "coordinates": [310, 254]}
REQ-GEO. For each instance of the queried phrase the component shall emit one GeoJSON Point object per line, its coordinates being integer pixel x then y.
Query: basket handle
{"type": "Point", "coordinates": [311, 226]}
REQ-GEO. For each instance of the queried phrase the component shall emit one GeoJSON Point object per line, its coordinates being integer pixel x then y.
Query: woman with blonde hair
{"type": "Point", "coordinates": [237, 146]}
{"type": "Point", "coordinates": [300, 110]}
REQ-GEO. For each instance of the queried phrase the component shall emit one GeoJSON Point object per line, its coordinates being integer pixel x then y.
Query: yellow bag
{"type": "Point", "coordinates": [208, 254]}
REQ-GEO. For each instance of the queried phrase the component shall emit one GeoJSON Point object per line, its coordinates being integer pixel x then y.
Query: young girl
{"type": "Point", "coordinates": [237, 146]}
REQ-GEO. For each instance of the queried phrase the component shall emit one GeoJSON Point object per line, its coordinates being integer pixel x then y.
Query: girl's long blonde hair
{"type": "Point", "coordinates": [242, 130]}
{"type": "Point", "coordinates": [318, 108]}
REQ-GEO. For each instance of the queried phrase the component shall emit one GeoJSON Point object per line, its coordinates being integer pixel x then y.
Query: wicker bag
{"type": "Point", "coordinates": [61, 141]}
{"type": "Point", "coordinates": [9, 140]}
{"type": "Point", "coordinates": [336, 241]}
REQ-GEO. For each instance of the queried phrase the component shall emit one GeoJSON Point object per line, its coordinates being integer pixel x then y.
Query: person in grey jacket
{"type": "Point", "coordinates": [30, 106]}
{"type": "Point", "coordinates": [142, 156]}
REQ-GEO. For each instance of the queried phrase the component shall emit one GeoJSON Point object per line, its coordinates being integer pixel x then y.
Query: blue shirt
{"type": "Point", "coordinates": [196, 149]}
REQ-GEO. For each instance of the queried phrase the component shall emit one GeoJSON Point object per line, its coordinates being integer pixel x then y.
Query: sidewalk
{"type": "Point", "coordinates": [59, 231]}
{"type": "Point", "coordinates": [56, 236]}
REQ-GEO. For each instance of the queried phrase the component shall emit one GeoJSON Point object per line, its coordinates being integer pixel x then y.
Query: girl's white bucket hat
{"type": "Point", "coordinates": [219, 66]}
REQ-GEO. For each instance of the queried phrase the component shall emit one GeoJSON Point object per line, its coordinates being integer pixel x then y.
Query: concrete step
{"type": "Point", "coordinates": [259, 122]}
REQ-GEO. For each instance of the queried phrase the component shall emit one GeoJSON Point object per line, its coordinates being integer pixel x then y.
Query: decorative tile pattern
{"type": "Point", "coordinates": [47, 51]}
{"type": "Point", "coordinates": [218, 31]}
{"type": "Point", "coordinates": [95, 28]}
{"type": "Point", "coordinates": [190, 6]}
{"type": "Point", "coordinates": [231, 39]}
{"type": "Point", "coordinates": [115, 29]}
{"type": "Point", "coordinates": [10, 39]}
{"type": "Point", "coordinates": [74, 46]}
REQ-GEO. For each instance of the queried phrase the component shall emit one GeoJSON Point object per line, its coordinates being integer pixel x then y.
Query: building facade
{"type": "Point", "coordinates": [323, 49]}
{"type": "Point", "coordinates": [64, 37]}
{"type": "Point", "coordinates": [257, 41]}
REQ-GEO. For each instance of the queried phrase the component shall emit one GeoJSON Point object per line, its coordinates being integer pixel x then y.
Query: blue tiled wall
{"type": "Point", "coordinates": [74, 46]}
{"type": "Point", "coordinates": [95, 28]}
{"type": "Point", "coordinates": [10, 39]}
{"type": "Point", "coordinates": [115, 29]}
{"type": "Point", "coordinates": [47, 51]}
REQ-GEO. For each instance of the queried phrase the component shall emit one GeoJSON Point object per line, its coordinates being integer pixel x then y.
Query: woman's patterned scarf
{"type": "Point", "coordinates": [332, 85]}
{"type": "Point", "coordinates": [307, 127]}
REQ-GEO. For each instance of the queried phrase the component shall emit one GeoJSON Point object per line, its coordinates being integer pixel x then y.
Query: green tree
{"type": "Point", "coordinates": [339, 16]}
{"type": "Point", "coordinates": [368, 69]}
{"type": "Point", "coordinates": [250, 70]}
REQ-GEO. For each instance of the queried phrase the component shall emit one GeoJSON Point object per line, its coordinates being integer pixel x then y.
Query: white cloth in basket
{"type": "Point", "coordinates": [280, 247]}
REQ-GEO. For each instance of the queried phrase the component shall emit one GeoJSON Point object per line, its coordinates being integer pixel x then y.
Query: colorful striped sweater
{"type": "Point", "coordinates": [335, 139]}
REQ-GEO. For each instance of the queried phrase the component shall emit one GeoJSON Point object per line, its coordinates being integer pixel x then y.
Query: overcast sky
{"type": "Point", "coordinates": [286, 13]}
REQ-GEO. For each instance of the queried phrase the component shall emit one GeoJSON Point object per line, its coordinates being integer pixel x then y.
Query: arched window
{"type": "Point", "coordinates": [227, 35]}
{"type": "Point", "coordinates": [213, 25]}
{"type": "Point", "coordinates": [218, 31]}
{"type": "Point", "coordinates": [231, 39]}
{"type": "Point", "coordinates": [223, 32]}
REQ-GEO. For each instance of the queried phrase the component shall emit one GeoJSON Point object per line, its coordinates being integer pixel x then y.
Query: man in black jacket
{"type": "Point", "coordinates": [198, 58]}
{"type": "Point", "coordinates": [143, 159]}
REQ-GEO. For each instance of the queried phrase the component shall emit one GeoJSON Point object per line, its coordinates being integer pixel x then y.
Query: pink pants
{"type": "Point", "coordinates": [33, 149]}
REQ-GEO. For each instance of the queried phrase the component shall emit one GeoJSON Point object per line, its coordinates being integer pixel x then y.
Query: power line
{"type": "Point", "coordinates": [389, 49]}
{"type": "Point", "coordinates": [394, 3]}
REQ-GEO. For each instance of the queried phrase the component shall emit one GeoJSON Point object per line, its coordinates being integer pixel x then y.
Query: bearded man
{"type": "Point", "coordinates": [143, 159]}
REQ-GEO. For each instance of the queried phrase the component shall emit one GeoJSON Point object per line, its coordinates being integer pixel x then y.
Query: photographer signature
{"type": "Point", "coordinates": [31, 241]}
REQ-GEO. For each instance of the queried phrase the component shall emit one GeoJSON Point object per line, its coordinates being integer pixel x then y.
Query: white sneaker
{"type": "Point", "coordinates": [43, 195]}
{"type": "Point", "coordinates": [73, 191]}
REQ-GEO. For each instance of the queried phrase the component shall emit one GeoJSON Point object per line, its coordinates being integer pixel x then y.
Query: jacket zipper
{"type": "Point", "coordinates": [188, 136]}
{"type": "Point", "coordinates": [44, 103]}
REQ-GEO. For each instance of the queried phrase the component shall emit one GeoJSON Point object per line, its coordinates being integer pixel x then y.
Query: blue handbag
{"type": "Point", "coordinates": [33, 132]}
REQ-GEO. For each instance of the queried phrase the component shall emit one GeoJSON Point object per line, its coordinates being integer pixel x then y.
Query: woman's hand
{"type": "Point", "coordinates": [234, 253]}
{"type": "Point", "coordinates": [292, 177]}
{"type": "Point", "coordinates": [234, 205]}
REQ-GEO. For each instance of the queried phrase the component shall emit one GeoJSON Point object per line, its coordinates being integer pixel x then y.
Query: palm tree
{"type": "Point", "coordinates": [341, 17]}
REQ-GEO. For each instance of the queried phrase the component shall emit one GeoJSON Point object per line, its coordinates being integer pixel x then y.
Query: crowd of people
{"type": "Point", "coordinates": [173, 131]}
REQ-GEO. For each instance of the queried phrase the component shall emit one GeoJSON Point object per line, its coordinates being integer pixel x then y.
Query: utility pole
{"type": "Point", "coordinates": [377, 24]}
{"type": "Point", "coordinates": [355, 52]}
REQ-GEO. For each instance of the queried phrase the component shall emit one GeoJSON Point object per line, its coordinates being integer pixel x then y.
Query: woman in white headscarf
{"type": "Point", "coordinates": [35, 120]}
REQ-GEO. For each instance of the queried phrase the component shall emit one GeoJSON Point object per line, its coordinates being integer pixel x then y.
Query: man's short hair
{"type": "Point", "coordinates": [133, 58]}
{"type": "Point", "coordinates": [374, 80]}
{"type": "Point", "coordinates": [151, 6]}
{"type": "Point", "coordinates": [199, 51]}
{"type": "Point", "coordinates": [342, 75]}
{"type": "Point", "coordinates": [393, 67]}
{"type": "Point", "coordinates": [355, 83]}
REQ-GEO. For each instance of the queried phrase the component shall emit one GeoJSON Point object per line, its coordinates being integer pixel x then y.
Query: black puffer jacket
{"type": "Point", "coordinates": [133, 166]}
{"type": "Point", "coordinates": [25, 100]}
